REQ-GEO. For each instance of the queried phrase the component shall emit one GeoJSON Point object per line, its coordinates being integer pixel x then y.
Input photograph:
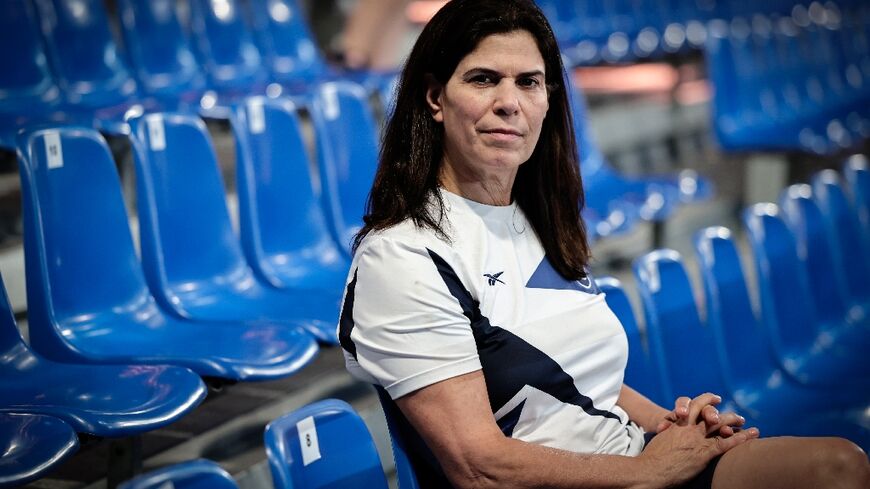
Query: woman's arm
{"type": "Point", "coordinates": [455, 420]}
{"type": "Point", "coordinates": [641, 410]}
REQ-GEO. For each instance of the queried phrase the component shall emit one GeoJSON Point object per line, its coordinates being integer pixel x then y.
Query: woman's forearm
{"type": "Point", "coordinates": [516, 464]}
{"type": "Point", "coordinates": [641, 410]}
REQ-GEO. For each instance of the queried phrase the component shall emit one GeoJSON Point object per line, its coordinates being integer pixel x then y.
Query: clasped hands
{"type": "Point", "coordinates": [689, 411]}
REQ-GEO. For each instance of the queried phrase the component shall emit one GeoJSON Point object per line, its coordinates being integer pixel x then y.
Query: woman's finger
{"type": "Point", "coordinates": [698, 404]}
{"type": "Point", "coordinates": [723, 444]}
{"type": "Point", "coordinates": [727, 422]}
{"type": "Point", "coordinates": [681, 407]}
{"type": "Point", "coordinates": [710, 415]}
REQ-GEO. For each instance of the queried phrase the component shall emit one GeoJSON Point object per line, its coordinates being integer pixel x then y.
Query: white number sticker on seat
{"type": "Point", "coordinates": [331, 109]}
{"type": "Point", "coordinates": [308, 440]}
{"type": "Point", "coordinates": [53, 151]}
{"type": "Point", "coordinates": [256, 116]}
{"type": "Point", "coordinates": [156, 133]}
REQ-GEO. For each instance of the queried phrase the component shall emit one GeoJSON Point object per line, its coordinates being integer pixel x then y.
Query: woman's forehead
{"type": "Point", "coordinates": [516, 48]}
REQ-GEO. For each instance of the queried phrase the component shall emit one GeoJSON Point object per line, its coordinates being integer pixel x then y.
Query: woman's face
{"type": "Point", "coordinates": [493, 106]}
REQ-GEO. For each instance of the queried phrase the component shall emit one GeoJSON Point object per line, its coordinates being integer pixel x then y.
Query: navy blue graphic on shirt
{"type": "Point", "coordinates": [509, 421]}
{"type": "Point", "coordinates": [510, 363]}
{"type": "Point", "coordinates": [546, 277]}
{"type": "Point", "coordinates": [346, 323]}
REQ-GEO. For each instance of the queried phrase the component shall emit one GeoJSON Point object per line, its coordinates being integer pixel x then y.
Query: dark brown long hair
{"type": "Point", "coordinates": [547, 188]}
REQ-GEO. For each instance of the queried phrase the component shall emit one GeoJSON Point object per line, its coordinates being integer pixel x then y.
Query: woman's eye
{"type": "Point", "coordinates": [529, 82]}
{"type": "Point", "coordinates": [482, 79]}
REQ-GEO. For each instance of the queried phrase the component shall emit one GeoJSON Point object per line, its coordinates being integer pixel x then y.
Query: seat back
{"type": "Point", "coordinates": [195, 474]}
{"type": "Point", "coordinates": [844, 228]}
{"type": "Point", "coordinates": [11, 342]}
{"type": "Point", "coordinates": [674, 326]}
{"type": "Point", "coordinates": [29, 85]}
{"type": "Point", "coordinates": [74, 278]}
{"type": "Point", "coordinates": [322, 445]}
{"type": "Point", "coordinates": [856, 171]}
{"type": "Point", "coordinates": [225, 45]}
{"type": "Point", "coordinates": [85, 58]}
{"type": "Point", "coordinates": [160, 52]}
{"type": "Point", "coordinates": [744, 348]}
{"type": "Point", "coordinates": [815, 249]}
{"type": "Point", "coordinates": [284, 39]}
{"type": "Point", "coordinates": [402, 437]}
{"type": "Point", "coordinates": [347, 154]}
{"type": "Point", "coordinates": [640, 372]}
{"type": "Point", "coordinates": [786, 303]}
{"type": "Point", "coordinates": [185, 229]}
{"type": "Point", "coordinates": [280, 212]}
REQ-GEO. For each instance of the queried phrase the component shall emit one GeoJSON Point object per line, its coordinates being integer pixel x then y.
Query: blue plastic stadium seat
{"type": "Point", "coordinates": [85, 59]}
{"type": "Point", "coordinates": [284, 232]}
{"type": "Point", "coordinates": [673, 318]}
{"type": "Point", "coordinates": [196, 474]}
{"type": "Point", "coordinates": [856, 172]}
{"type": "Point", "coordinates": [193, 260]}
{"type": "Point", "coordinates": [28, 93]}
{"type": "Point", "coordinates": [323, 445]}
{"type": "Point", "coordinates": [840, 315]}
{"type": "Point", "coordinates": [747, 356]}
{"type": "Point", "coordinates": [102, 400]}
{"type": "Point", "coordinates": [782, 83]}
{"type": "Point", "coordinates": [282, 33]}
{"type": "Point", "coordinates": [640, 372]}
{"type": "Point", "coordinates": [851, 251]}
{"type": "Point", "coordinates": [225, 47]}
{"type": "Point", "coordinates": [160, 52]}
{"type": "Point", "coordinates": [347, 154]}
{"type": "Point", "coordinates": [674, 329]}
{"type": "Point", "coordinates": [32, 445]}
{"type": "Point", "coordinates": [87, 295]}
{"type": "Point", "coordinates": [806, 351]}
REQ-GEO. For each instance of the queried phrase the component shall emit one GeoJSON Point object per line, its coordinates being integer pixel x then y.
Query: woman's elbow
{"type": "Point", "coordinates": [482, 467]}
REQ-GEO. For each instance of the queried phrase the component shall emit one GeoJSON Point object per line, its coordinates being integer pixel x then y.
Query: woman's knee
{"type": "Point", "coordinates": [841, 464]}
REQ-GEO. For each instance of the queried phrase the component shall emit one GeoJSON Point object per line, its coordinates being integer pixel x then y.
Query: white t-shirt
{"type": "Point", "coordinates": [419, 310]}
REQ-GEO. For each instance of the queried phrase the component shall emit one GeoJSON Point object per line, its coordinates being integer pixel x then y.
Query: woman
{"type": "Point", "coordinates": [470, 304]}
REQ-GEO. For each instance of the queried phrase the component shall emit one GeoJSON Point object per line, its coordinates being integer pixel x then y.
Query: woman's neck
{"type": "Point", "coordinates": [490, 189]}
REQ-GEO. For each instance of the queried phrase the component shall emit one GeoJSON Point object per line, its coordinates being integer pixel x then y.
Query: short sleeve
{"type": "Point", "coordinates": [406, 330]}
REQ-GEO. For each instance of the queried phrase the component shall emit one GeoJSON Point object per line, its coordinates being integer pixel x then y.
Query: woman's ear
{"type": "Point", "coordinates": [434, 91]}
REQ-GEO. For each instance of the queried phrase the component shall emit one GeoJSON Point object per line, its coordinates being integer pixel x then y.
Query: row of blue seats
{"type": "Point", "coordinates": [617, 31]}
{"type": "Point", "coordinates": [805, 350]}
{"type": "Point", "coordinates": [322, 445]}
{"type": "Point", "coordinates": [90, 302]}
{"type": "Point", "coordinates": [785, 86]}
{"type": "Point", "coordinates": [325, 444]}
{"type": "Point", "coordinates": [68, 67]}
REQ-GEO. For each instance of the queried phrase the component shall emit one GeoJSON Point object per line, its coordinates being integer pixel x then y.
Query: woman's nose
{"type": "Point", "coordinates": [506, 99]}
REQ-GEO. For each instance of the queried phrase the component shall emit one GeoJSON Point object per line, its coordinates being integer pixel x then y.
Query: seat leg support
{"type": "Point", "coordinates": [125, 460]}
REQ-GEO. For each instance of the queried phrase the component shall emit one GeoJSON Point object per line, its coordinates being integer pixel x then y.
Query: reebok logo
{"type": "Point", "coordinates": [492, 278]}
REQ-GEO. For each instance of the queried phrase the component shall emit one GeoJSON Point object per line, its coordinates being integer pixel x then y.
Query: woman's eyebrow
{"type": "Point", "coordinates": [496, 73]}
